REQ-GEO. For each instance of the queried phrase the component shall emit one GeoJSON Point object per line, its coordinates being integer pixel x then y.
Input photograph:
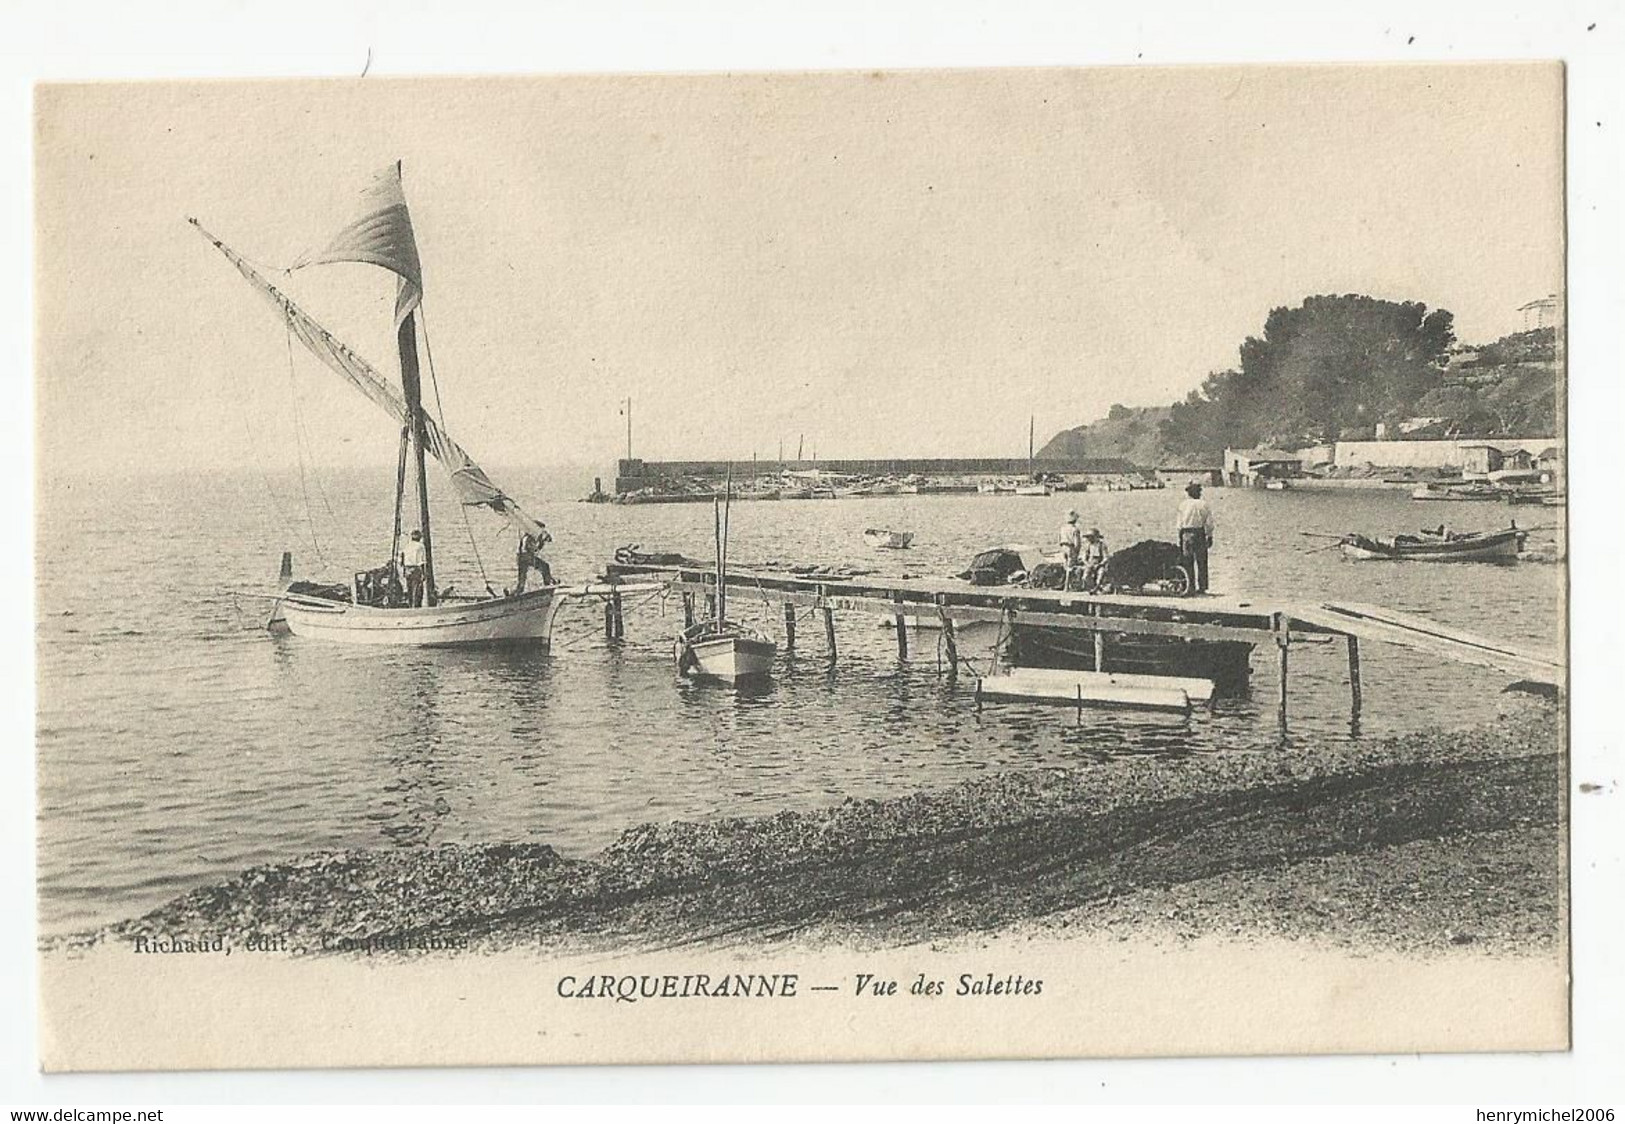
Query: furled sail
{"type": "Point", "coordinates": [474, 488]}
{"type": "Point", "coordinates": [379, 233]}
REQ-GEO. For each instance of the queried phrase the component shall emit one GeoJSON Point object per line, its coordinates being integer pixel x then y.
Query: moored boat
{"type": "Point", "coordinates": [718, 648]}
{"type": "Point", "coordinates": [726, 651]}
{"type": "Point", "coordinates": [1437, 546]}
{"type": "Point", "coordinates": [1458, 492]}
{"type": "Point", "coordinates": [882, 539]}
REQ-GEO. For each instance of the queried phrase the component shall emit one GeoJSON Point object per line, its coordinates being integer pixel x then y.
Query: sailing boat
{"type": "Point", "coordinates": [399, 603]}
{"type": "Point", "coordinates": [720, 648]}
{"type": "Point", "coordinates": [1033, 485]}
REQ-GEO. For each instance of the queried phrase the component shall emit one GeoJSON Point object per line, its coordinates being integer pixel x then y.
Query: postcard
{"type": "Point", "coordinates": [935, 564]}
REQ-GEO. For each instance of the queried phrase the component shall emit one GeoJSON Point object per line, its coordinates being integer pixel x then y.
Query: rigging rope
{"type": "Point", "coordinates": [299, 449]}
{"type": "Point", "coordinates": [440, 409]}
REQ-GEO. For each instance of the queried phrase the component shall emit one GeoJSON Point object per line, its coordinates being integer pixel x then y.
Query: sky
{"type": "Point", "coordinates": [891, 263]}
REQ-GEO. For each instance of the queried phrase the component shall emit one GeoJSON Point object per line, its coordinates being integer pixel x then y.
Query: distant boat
{"type": "Point", "coordinates": [1275, 485]}
{"type": "Point", "coordinates": [1431, 546]}
{"type": "Point", "coordinates": [882, 539]}
{"type": "Point", "coordinates": [376, 605]}
{"type": "Point", "coordinates": [718, 648]}
{"type": "Point", "coordinates": [1033, 490]}
{"type": "Point", "coordinates": [987, 487]}
{"type": "Point", "coordinates": [1539, 497]}
{"type": "Point", "coordinates": [1455, 492]}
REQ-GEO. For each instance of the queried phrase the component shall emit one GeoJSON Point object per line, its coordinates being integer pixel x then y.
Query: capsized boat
{"type": "Point", "coordinates": [400, 603]}
{"type": "Point", "coordinates": [882, 539]}
{"type": "Point", "coordinates": [1438, 546]}
{"type": "Point", "coordinates": [719, 648]}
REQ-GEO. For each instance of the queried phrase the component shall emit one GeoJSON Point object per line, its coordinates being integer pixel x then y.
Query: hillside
{"type": "Point", "coordinates": [1335, 368]}
{"type": "Point", "coordinates": [1131, 432]}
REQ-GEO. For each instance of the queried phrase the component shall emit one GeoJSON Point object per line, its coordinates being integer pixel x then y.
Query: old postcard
{"type": "Point", "coordinates": [802, 566]}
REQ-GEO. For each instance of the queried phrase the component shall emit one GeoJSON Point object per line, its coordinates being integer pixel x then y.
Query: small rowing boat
{"type": "Point", "coordinates": [1458, 492]}
{"type": "Point", "coordinates": [718, 648]}
{"type": "Point", "coordinates": [882, 539]}
{"type": "Point", "coordinates": [1437, 546]}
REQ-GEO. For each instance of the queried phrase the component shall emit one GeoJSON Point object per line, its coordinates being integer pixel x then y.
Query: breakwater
{"type": "Point", "coordinates": [637, 475]}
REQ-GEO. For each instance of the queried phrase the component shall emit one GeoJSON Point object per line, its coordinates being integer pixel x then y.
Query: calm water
{"type": "Point", "coordinates": [179, 743]}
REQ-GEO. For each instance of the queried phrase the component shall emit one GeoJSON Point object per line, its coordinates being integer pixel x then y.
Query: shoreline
{"type": "Point", "coordinates": [1422, 842]}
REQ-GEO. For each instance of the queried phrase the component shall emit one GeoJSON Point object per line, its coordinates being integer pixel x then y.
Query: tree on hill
{"type": "Point", "coordinates": [1333, 364]}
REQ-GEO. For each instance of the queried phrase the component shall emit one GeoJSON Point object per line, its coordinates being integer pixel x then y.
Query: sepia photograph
{"type": "Point", "coordinates": [831, 565]}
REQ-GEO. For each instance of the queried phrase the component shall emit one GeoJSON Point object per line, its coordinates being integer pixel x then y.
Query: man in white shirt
{"type": "Point", "coordinates": [1194, 524]}
{"type": "Point", "coordinates": [1071, 540]}
{"type": "Point", "coordinates": [412, 567]}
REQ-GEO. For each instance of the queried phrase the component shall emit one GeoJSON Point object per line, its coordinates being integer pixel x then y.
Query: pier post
{"type": "Point", "coordinates": [609, 619]}
{"type": "Point", "coordinates": [1283, 640]}
{"type": "Point", "coordinates": [617, 615]}
{"type": "Point", "coordinates": [688, 611]}
{"type": "Point", "coordinates": [1354, 676]}
{"type": "Point", "coordinates": [789, 626]}
{"type": "Point", "coordinates": [1100, 650]}
{"type": "Point", "coordinates": [902, 628]}
{"type": "Point", "coordinates": [951, 644]}
{"type": "Point", "coordinates": [829, 627]}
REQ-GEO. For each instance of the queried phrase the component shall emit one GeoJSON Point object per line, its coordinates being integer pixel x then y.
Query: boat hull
{"type": "Point", "coordinates": [1503, 547]}
{"type": "Point", "coordinates": [889, 540]}
{"type": "Point", "coordinates": [730, 659]}
{"type": "Point", "coordinates": [1093, 689]}
{"type": "Point", "coordinates": [523, 619]}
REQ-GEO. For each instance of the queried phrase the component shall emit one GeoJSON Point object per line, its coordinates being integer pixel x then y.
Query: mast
{"type": "Point", "coordinates": [406, 342]}
{"type": "Point", "coordinates": [629, 429]}
{"type": "Point", "coordinates": [1032, 426]}
{"type": "Point", "coordinates": [717, 525]}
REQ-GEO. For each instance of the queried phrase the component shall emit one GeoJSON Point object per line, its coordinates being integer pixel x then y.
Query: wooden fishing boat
{"type": "Point", "coordinates": [1456, 492]}
{"type": "Point", "coordinates": [882, 539]}
{"type": "Point", "coordinates": [1432, 546]}
{"type": "Point", "coordinates": [1033, 490]}
{"type": "Point", "coordinates": [720, 649]}
{"type": "Point", "coordinates": [726, 651]}
{"type": "Point", "coordinates": [400, 603]}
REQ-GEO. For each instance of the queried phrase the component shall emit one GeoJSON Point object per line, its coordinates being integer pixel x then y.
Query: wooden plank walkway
{"type": "Point", "coordinates": [1405, 630]}
{"type": "Point", "coordinates": [1202, 617]}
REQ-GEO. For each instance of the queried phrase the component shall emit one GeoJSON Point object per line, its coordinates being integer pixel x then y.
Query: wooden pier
{"type": "Point", "coordinates": [952, 603]}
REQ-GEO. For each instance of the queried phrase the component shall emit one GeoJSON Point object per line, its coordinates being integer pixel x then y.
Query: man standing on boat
{"type": "Point", "coordinates": [530, 558]}
{"type": "Point", "coordinates": [412, 567]}
{"type": "Point", "coordinates": [1194, 525]}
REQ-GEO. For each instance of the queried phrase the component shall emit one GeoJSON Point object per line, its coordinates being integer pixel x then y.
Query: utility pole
{"type": "Point", "coordinates": [629, 428]}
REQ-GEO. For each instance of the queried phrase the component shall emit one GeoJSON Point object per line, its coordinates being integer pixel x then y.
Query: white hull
{"type": "Point", "coordinates": [1096, 689]}
{"type": "Point", "coordinates": [524, 619]}
{"type": "Point", "coordinates": [728, 658]}
{"type": "Point", "coordinates": [1033, 490]}
{"type": "Point", "coordinates": [889, 540]}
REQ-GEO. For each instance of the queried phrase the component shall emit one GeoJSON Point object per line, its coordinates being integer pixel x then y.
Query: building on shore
{"type": "Point", "coordinates": [1246, 468]}
{"type": "Point", "coordinates": [1182, 472]}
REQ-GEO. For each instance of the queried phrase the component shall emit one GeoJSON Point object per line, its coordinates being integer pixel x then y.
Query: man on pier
{"type": "Point", "coordinates": [1071, 540]}
{"type": "Point", "coordinates": [1194, 524]}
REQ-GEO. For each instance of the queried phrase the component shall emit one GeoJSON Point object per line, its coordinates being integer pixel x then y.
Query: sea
{"type": "Point", "coordinates": [180, 743]}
